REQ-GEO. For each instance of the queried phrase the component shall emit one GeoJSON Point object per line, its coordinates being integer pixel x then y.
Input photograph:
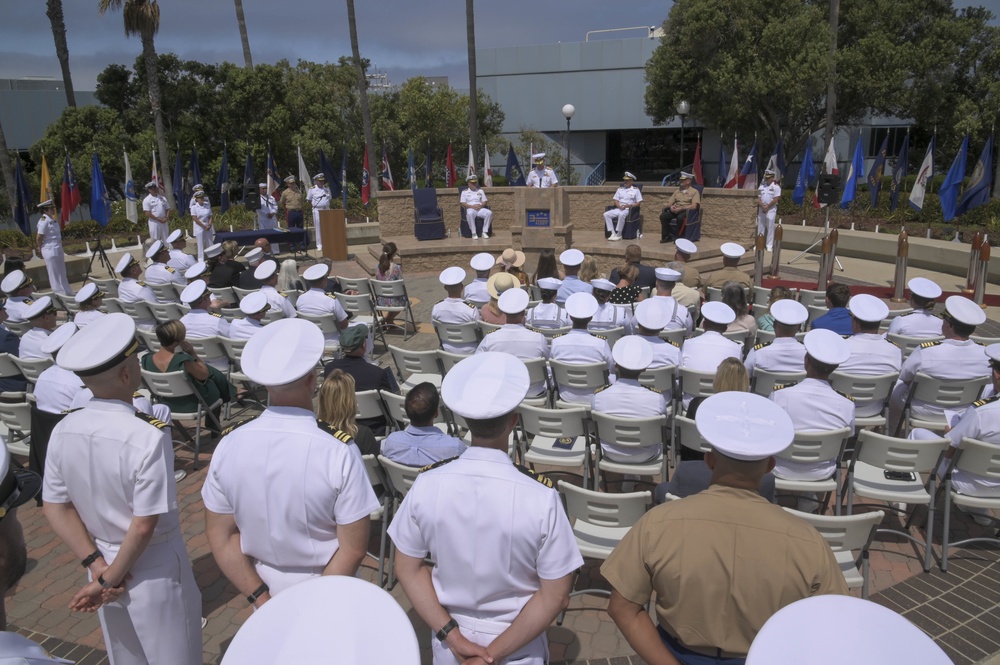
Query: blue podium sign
{"type": "Point", "coordinates": [538, 219]}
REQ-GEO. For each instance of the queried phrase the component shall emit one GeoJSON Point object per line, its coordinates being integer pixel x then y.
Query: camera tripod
{"type": "Point", "coordinates": [102, 258]}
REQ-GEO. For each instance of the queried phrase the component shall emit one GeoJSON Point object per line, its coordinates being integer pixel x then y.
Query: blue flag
{"type": "Point", "coordinates": [429, 177]}
{"type": "Point", "coordinates": [100, 206]}
{"type": "Point", "coordinates": [343, 176]}
{"type": "Point", "coordinates": [748, 175]}
{"type": "Point", "coordinates": [807, 173]}
{"type": "Point", "coordinates": [413, 173]}
{"type": "Point", "coordinates": [332, 177]}
{"type": "Point", "coordinates": [222, 183]}
{"type": "Point", "coordinates": [180, 193]}
{"type": "Point", "coordinates": [515, 176]}
{"type": "Point", "coordinates": [195, 169]}
{"type": "Point", "coordinates": [22, 201]}
{"type": "Point", "coordinates": [949, 188]}
{"type": "Point", "coordinates": [978, 191]}
{"type": "Point", "coordinates": [878, 168]}
{"type": "Point", "coordinates": [249, 182]}
{"type": "Point", "coordinates": [855, 173]}
{"type": "Point", "coordinates": [899, 173]}
{"type": "Point", "coordinates": [720, 180]}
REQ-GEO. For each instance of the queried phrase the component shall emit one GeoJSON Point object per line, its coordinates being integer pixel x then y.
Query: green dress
{"type": "Point", "coordinates": [216, 386]}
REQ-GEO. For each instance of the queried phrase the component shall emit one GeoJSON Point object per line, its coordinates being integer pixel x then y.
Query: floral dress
{"type": "Point", "coordinates": [395, 273]}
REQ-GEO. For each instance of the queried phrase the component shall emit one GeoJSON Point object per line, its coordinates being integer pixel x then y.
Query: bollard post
{"type": "Point", "coordinates": [760, 245]}
{"type": "Point", "coordinates": [973, 277]}
{"type": "Point", "coordinates": [824, 259]}
{"type": "Point", "coordinates": [899, 279]}
{"type": "Point", "coordinates": [776, 254]}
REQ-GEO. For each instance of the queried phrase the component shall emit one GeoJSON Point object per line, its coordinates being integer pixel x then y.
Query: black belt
{"type": "Point", "coordinates": [711, 652]}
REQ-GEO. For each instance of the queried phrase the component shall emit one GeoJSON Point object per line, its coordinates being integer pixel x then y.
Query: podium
{"type": "Point", "coordinates": [333, 229]}
{"type": "Point", "coordinates": [542, 221]}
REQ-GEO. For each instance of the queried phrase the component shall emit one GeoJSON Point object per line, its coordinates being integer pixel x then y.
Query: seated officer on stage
{"type": "Point", "coordinates": [680, 205]}
{"type": "Point", "coordinates": [711, 557]}
{"type": "Point", "coordinates": [504, 552]}
{"type": "Point", "coordinates": [421, 443]}
{"type": "Point", "coordinates": [785, 353]}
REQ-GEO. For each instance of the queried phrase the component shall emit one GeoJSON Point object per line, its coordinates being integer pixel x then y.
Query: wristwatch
{"type": "Point", "coordinates": [104, 583]}
{"type": "Point", "coordinates": [261, 590]}
{"type": "Point", "coordinates": [91, 559]}
{"type": "Point", "coordinates": [447, 628]}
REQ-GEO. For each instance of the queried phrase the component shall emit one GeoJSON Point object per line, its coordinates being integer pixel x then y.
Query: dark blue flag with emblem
{"type": "Point", "coordinates": [181, 191]}
{"type": "Point", "coordinates": [807, 173]}
{"type": "Point", "coordinates": [195, 168]}
{"type": "Point", "coordinates": [22, 201]}
{"type": "Point", "coordinates": [343, 176]}
{"type": "Point", "coordinates": [978, 191]}
{"type": "Point", "coordinates": [100, 206]}
{"type": "Point", "coordinates": [222, 183]}
{"type": "Point", "coordinates": [876, 171]}
{"type": "Point", "coordinates": [429, 176]}
{"type": "Point", "coordinates": [332, 177]}
{"type": "Point", "coordinates": [720, 180]}
{"type": "Point", "coordinates": [899, 173]}
{"type": "Point", "coordinates": [515, 176]}
{"type": "Point", "coordinates": [948, 194]}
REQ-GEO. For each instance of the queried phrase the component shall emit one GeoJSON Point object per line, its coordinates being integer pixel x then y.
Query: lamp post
{"type": "Point", "coordinates": [683, 108]}
{"type": "Point", "coordinates": [568, 111]}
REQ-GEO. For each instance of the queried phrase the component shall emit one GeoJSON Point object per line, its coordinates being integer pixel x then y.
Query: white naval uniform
{"type": "Point", "coordinates": [814, 406]}
{"type": "Point", "coordinates": [477, 197]}
{"type": "Point", "coordinates": [16, 307]}
{"type": "Point", "coordinates": [494, 532]}
{"type": "Point", "coordinates": [319, 199]}
{"type": "Point", "coordinates": [55, 389]}
{"type": "Point", "coordinates": [268, 206]}
{"type": "Point", "coordinates": [783, 354]}
{"type": "Point", "coordinates": [200, 324]}
{"type": "Point", "coordinates": [545, 178]}
{"type": "Point", "coordinates": [244, 328]}
{"type": "Point", "coordinates": [515, 339]}
{"type": "Point", "coordinates": [161, 273]}
{"type": "Point", "coordinates": [572, 284]}
{"type": "Point", "coordinates": [680, 317]}
{"type": "Point", "coordinates": [204, 237]}
{"type": "Point", "coordinates": [947, 359]}
{"type": "Point", "coordinates": [630, 399]}
{"type": "Point", "coordinates": [579, 347]}
{"type": "Point", "coordinates": [476, 290]}
{"type": "Point", "coordinates": [278, 300]}
{"type": "Point", "coordinates": [921, 323]}
{"type": "Point", "coordinates": [871, 354]}
{"type": "Point", "coordinates": [610, 315]}
{"type": "Point", "coordinates": [765, 220]}
{"type": "Point", "coordinates": [981, 422]}
{"type": "Point", "coordinates": [547, 315]}
{"type": "Point", "coordinates": [83, 317]}
{"type": "Point", "coordinates": [180, 260]}
{"type": "Point", "coordinates": [31, 344]}
{"type": "Point", "coordinates": [705, 353]}
{"type": "Point", "coordinates": [288, 482]}
{"type": "Point", "coordinates": [317, 302]}
{"type": "Point", "coordinates": [131, 290]}
{"type": "Point", "coordinates": [614, 219]}
{"type": "Point", "coordinates": [158, 205]}
{"type": "Point", "coordinates": [455, 311]}
{"type": "Point", "coordinates": [664, 353]}
{"type": "Point", "coordinates": [52, 253]}
{"type": "Point", "coordinates": [158, 617]}
{"type": "Point", "coordinates": [159, 411]}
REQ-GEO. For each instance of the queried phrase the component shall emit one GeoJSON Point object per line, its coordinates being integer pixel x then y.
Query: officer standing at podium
{"type": "Point", "coordinates": [319, 198]}
{"type": "Point", "coordinates": [541, 176]}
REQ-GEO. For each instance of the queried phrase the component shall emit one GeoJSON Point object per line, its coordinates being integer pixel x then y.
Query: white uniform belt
{"type": "Point", "coordinates": [481, 625]}
{"type": "Point", "coordinates": [155, 540]}
{"type": "Point", "coordinates": [303, 570]}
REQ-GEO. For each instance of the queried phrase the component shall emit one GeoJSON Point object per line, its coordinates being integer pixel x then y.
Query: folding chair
{"type": "Point", "coordinates": [231, 313]}
{"type": "Point", "coordinates": [234, 353]}
{"type": "Point", "coordinates": [10, 370]}
{"type": "Point", "coordinates": [558, 438]}
{"type": "Point", "coordinates": [211, 351]}
{"type": "Point", "coordinates": [358, 284]}
{"type": "Point", "coordinates": [686, 434]}
{"type": "Point", "coordinates": [457, 336]}
{"type": "Point", "coordinates": [763, 382]}
{"type": "Point", "coordinates": [370, 405]}
{"type": "Point", "coordinates": [169, 311]}
{"type": "Point", "coordinates": [809, 298]}
{"type": "Point", "coordinates": [661, 378]}
{"type": "Point", "coordinates": [330, 327]}
{"type": "Point", "coordinates": [111, 305]}
{"type": "Point", "coordinates": [449, 360]}
{"type": "Point", "coordinates": [981, 459]}
{"type": "Point", "coordinates": [376, 476]}
{"type": "Point", "coordinates": [950, 394]}
{"type": "Point", "coordinates": [888, 469]}
{"type": "Point", "coordinates": [630, 432]}
{"type": "Point", "coordinates": [713, 294]}
{"type": "Point", "coordinates": [761, 294]}
{"type": "Point", "coordinates": [413, 367]}
{"type": "Point", "coordinates": [362, 309]}
{"type": "Point", "coordinates": [139, 311]}
{"type": "Point", "coordinates": [428, 221]}
{"type": "Point", "coordinates": [16, 417]}
{"type": "Point", "coordinates": [400, 479]}
{"type": "Point", "coordinates": [149, 338]}
{"type": "Point", "coordinates": [845, 534]}
{"type": "Point", "coordinates": [166, 385]}
{"type": "Point", "coordinates": [815, 311]}
{"type": "Point", "coordinates": [816, 448]}
{"type": "Point", "coordinates": [690, 228]}
{"type": "Point", "coordinates": [866, 390]}
{"type": "Point", "coordinates": [31, 368]}
{"type": "Point", "coordinates": [396, 290]}
{"type": "Point", "coordinates": [674, 335]}
{"type": "Point", "coordinates": [611, 335]}
{"type": "Point", "coordinates": [696, 383]}
{"type": "Point", "coordinates": [18, 327]}
{"type": "Point", "coordinates": [580, 377]}
{"type": "Point", "coordinates": [396, 408]}
{"type": "Point", "coordinates": [225, 294]}
{"type": "Point", "coordinates": [907, 343]}
{"type": "Point", "coordinates": [243, 293]}
{"type": "Point", "coordinates": [165, 293]}
{"type": "Point", "coordinates": [549, 333]}
{"type": "Point", "coordinates": [109, 287]}
{"type": "Point", "coordinates": [985, 341]}
{"type": "Point", "coordinates": [538, 372]}
{"type": "Point", "coordinates": [487, 328]}
{"type": "Point", "coordinates": [460, 429]}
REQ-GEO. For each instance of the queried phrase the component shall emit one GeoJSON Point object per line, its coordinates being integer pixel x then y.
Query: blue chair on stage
{"type": "Point", "coordinates": [633, 225]}
{"type": "Point", "coordinates": [428, 222]}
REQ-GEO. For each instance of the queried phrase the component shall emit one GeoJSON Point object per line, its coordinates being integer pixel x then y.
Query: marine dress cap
{"type": "Point", "coordinates": [652, 314]}
{"type": "Point", "coordinates": [316, 272]}
{"type": "Point", "coordinates": [197, 270]}
{"type": "Point", "coordinates": [744, 426]}
{"type": "Point", "coordinates": [964, 310]}
{"type": "Point", "coordinates": [549, 284]}
{"type": "Point", "coordinates": [265, 270]}
{"type": "Point", "coordinates": [513, 301]}
{"type": "Point", "coordinates": [789, 312]}
{"type": "Point", "coordinates": [632, 353]}
{"type": "Point", "coordinates": [686, 176]}
{"type": "Point", "coordinates": [14, 282]}
{"type": "Point", "coordinates": [866, 307]}
{"type": "Point", "coordinates": [255, 303]}
{"type": "Point", "coordinates": [100, 345]}
{"type": "Point", "coordinates": [290, 179]}
{"type": "Point", "coordinates": [155, 249]}
{"type": "Point", "coordinates": [667, 275]}
{"type": "Point", "coordinates": [581, 305]}
{"type": "Point", "coordinates": [283, 351]}
{"type": "Point", "coordinates": [826, 346]}
{"type": "Point", "coordinates": [925, 288]}
{"type": "Point", "coordinates": [685, 246]}
{"type": "Point", "coordinates": [601, 284]}
{"type": "Point", "coordinates": [452, 276]}
{"type": "Point", "coordinates": [571, 257]}
{"type": "Point", "coordinates": [718, 312]}
{"type": "Point", "coordinates": [482, 261]}
{"type": "Point", "coordinates": [193, 292]}
{"type": "Point", "coordinates": [39, 307]}
{"type": "Point", "coordinates": [124, 263]}
{"type": "Point", "coordinates": [732, 250]}
{"type": "Point", "coordinates": [485, 385]}
{"type": "Point", "coordinates": [87, 292]}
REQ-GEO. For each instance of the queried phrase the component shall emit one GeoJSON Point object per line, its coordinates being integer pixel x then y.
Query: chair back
{"type": "Point", "coordinates": [816, 447]}
{"type": "Point", "coordinates": [415, 362]}
{"type": "Point", "coordinates": [359, 284]}
{"type": "Point", "coordinates": [164, 292]}
{"type": "Point", "coordinates": [449, 360]}
{"type": "Point", "coordinates": [809, 298]}
{"type": "Point", "coordinates": [400, 476]}
{"type": "Point", "coordinates": [31, 368]}
{"type": "Point", "coordinates": [604, 509]}
{"type": "Point", "coordinates": [690, 438]}
{"type": "Point", "coordinates": [207, 347]}
{"type": "Point", "coordinates": [908, 343]}
{"type": "Point", "coordinates": [761, 295]}
{"type": "Point", "coordinates": [759, 309]}
{"type": "Point", "coordinates": [630, 432]}
{"type": "Point", "coordinates": [376, 475]}
{"type": "Point", "coordinates": [150, 339]}
{"type": "Point", "coordinates": [425, 204]}
{"type": "Point", "coordinates": [538, 373]}
{"type": "Point", "coordinates": [391, 289]}
{"type": "Point", "coordinates": [167, 311]}
{"type": "Point", "coordinates": [549, 333]}
{"type": "Point", "coordinates": [863, 389]}
{"type": "Point", "coordinates": [979, 457]}
{"type": "Point", "coordinates": [895, 454]}
{"type": "Point", "coordinates": [610, 335]}
{"type": "Point", "coordinates": [699, 384]}
{"type": "Point", "coordinates": [844, 533]}
{"type": "Point", "coordinates": [714, 293]}
{"type": "Point", "coordinates": [109, 287]}
{"type": "Point", "coordinates": [272, 315]}
{"type": "Point", "coordinates": [816, 311]}
{"type": "Point", "coordinates": [765, 336]}
{"type": "Point", "coordinates": [553, 423]}
{"type": "Point", "coordinates": [232, 313]}
{"type": "Point", "coordinates": [764, 382]}
{"type": "Point", "coordinates": [458, 333]}
{"type": "Point", "coordinates": [242, 293]}
{"type": "Point", "coordinates": [139, 311]}
{"type": "Point", "coordinates": [590, 376]}
{"type": "Point", "coordinates": [225, 294]}
{"type": "Point", "coordinates": [661, 378]}
{"type": "Point", "coordinates": [327, 323]}
{"type": "Point", "coordinates": [948, 393]}
{"type": "Point", "coordinates": [167, 384]}
{"type": "Point", "coordinates": [674, 335]}
{"type": "Point", "coordinates": [18, 327]}
{"type": "Point", "coordinates": [111, 305]}
{"type": "Point", "coordinates": [370, 404]}
{"type": "Point", "coordinates": [487, 328]}
{"type": "Point", "coordinates": [16, 416]}
{"type": "Point", "coordinates": [359, 304]}
{"type": "Point", "coordinates": [233, 349]}
{"type": "Point", "coordinates": [985, 341]}
{"type": "Point", "coordinates": [8, 367]}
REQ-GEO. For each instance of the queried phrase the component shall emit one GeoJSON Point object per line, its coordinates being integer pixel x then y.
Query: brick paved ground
{"type": "Point", "coordinates": [960, 609]}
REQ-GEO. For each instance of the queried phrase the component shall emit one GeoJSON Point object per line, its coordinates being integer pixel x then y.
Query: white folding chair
{"type": "Point", "coordinates": [556, 437]}
{"type": "Point", "coordinates": [9, 370]}
{"type": "Point", "coordinates": [907, 343]}
{"type": "Point", "coordinates": [458, 335]}
{"type": "Point", "coordinates": [362, 309]}
{"type": "Point", "coordinates": [487, 328]}
{"type": "Point", "coordinates": [396, 290]}
{"type": "Point", "coordinates": [168, 311]}
{"type": "Point", "coordinates": [18, 327]}
{"type": "Point", "coordinates": [165, 293]}
{"type": "Point", "coordinates": [149, 338]}
{"type": "Point", "coordinates": [16, 418]}
{"type": "Point", "coordinates": [694, 382]}
{"type": "Point", "coordinates": [371, 406]}
{"type": "Point", "coordinates": [31, 368]}
{"type": "Point", "coordinates": [661, 378]}
{"type": "Point", "coordinates": [211, 351]}
{"type": "Point", "coordinates": [396, 409]}
{"type": "Point", "coordinates": [888, 469]}
{"type": "Point", "coordinates": [242, 293]}
{"type": "Point", "coordinates": [950, 394]}
{"type": "Point", "coordinates": [686, 435]}
{"type": "Point", "coordinates": [979, 458]}
{"type": "Point", "coordinates": [764, 336]}
{"type": "Point", "coordinates": [713, 293]}
{"type": "Point", "coordinates": [845, 534]}
{"type": "Point", "coordinates": [139, 311]}
{"type": "Point", "coordinates": [400, 479]}
{"type": "Point", "coordinates": [538, 372]}
{"type": "Point", "coordinates": [580, 377]}
{"type": "Point", "coordinates": [109, 287]}
{"type": "Point", "coordinates": [166, 385]}
{"type": "Point", "coordinates": [764, 382]}
{"type": "Point", "coordinates": [549, 333]}
{"type": "Point", "coordinates": [359, 284]}
{"type": "Point", "coordinates": [329, 326]}
{"type": "Point", "coordinates": [816, 448]}
{"type": "Point", "coordinates": [865, 390]}
{"type": "Point", "coordinates": [610, 335]}
{"type": "Point", "coordinates": [674, 335]}
{"type": "Point", "coordinates": [809, 298]}
{"type": "Point", "coordinates": [761, 294]}
{"type": "Point", "coordinates": [234, 353]}
{"type": "Point", "coordinates": [815, 311]}
{"type": "Point", "coordinates": [630, 432]}
{"type": "Point", "coordinates": [449, 360]}
{"type": "Point", "coordinates": [985, 341]}
{"type": "Point", "coordinates": [112, 305]}
{"type": "Point", "coordinates": [413, 367]}
{"type": "Point", "coordinates": [225, 294]}
{"type": "Point", "coordinates": [376, 476]}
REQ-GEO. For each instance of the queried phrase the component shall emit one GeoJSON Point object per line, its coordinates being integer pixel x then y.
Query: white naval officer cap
{"type": "Point", "coordinates": [732, 250]}
{"type": "Point", "coordinates": [39, 307]}
{"type": "Point", "coordinates": [255, 255]}
{"type": "Point", "coordinates": [282, 352]}
{"type": "Point", "coordinates": [993, 352]}
{"type": "Point", "coordinates": [652, 314]}
{"type": "Point", "coordinates": [151, 184]}
{"type": "Point", "coordinates": [290, 179]}
{"type": "Point", "coordinates": [482, 261]}
{"type": "Point", "coordinates": [472, 177]}
{"type": "Point", "coordinates": [14, 282]}
{"type": "Point", "coordinates": [319, 176]}
{"type": "Point", "coordinates": [601, 284]}
{"type": "Point", "coordinates": [255, 303]}
{"type": "Point", "coordinates": [265, 270]}
{"type": "Point", "coordinates": [261, 185]}
{"type": "Point", "coordinates": [213, 251]}
{"type": "Point", "coordinates": [452, 276]}
{"type": "Point", "coordinates": [485, 385]}
{"type": "Point", "coordinates": [629, 176]}
{"type": "Point", "coordinates": [581, 305]}
{"type": "Point", "coordinates": [718, 312]}
{"type": "Point", "coordinates": [571, 257]}
{"type": "Point", "coordinates": [197, 270]}
{"type": "Point", "coordinates": [549, 284]}
{"type": "Point", "coordinates": [198, 187]}
{"type": "Point", "coordinates": [768, 172]}
{"type": "Point", "coordinates": [964, 310]}
{"type": "Point", "coordinates": [513, 301]}
{"type": "Point", "coordinates": [16, 649]}
{"type": "Point", "coordinates": [685, 246]}
{"type": "Point", "coordinates": [193, 292]}
{"type": "Point", "coordinates": [826, 346]}
{"type": "Point", "coordinates": [685, 175]}
{"type": "Point", "coordinates": [866, 307]}
{"type": "Point", "coordinates": [58, 338]}
{"type": "Point", "coordinates": [667, 275]}
{"type": "Point", "coordinates": [744, 426]}
{"type": "Point", "coordinates": [87, 292]}
{"type": "Point", "coordinates": [100, 345]}
{"type": "Point", "coordinates": [155, 249]}
{"type": "Point", "coordinates": [538, 157]}
{"type": "Point", "coordinates": [175, 235]}
{"type": "Point", "coordinates": [789, 312]}
{"type": "Point", "coordinates": [316, 272]}
{"type": "Point", "coordinates": [47, 203]}
{"type": "Point", "coordinates": [924, 288]}
{"type": "Point", "coordinates": [631, 352]}
{"type": "Point", "coordinates": [124, 263]}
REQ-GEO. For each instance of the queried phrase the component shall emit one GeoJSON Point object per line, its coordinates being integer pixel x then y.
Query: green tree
{"type": "Point", "coordinates": [54, 10]}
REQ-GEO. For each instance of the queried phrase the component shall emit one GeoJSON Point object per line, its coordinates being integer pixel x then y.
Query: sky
{"type": "Point", "coordinates": [404, 39]}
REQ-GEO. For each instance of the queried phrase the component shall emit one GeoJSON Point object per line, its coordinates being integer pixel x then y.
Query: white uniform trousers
{"type": "Point", "coordinates": [316, 231]}
{"type": "Point", "coordinates": [483, 632]}
{"type": "Point", "coordinates": [55, 265]}
{"type": "Point", "coordinates": [157, 621]}
{"type": "Point", "coordinates": [485, 213]}
{"type": "Point", "coordinates": [279, 578]}
{"type": "Point", "coordinates": [204, 238]}
{"type": "Point", "coordinates": [158, 231]}
{"type": "Point", "coordinates": [610, 218]}
{"type": "Point", "coordinates": [765, 224]}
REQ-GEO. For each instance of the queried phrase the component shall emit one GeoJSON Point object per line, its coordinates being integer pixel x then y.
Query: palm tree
{"type": "Point", "coordinates": [7, 168]}
{"type": "Point", "coordinates": [142, 17]}
{"type": "Point", "coordinates": [242, 22]}
{"type": "Point", "coordinates": [470, 31]}
{"type": "Point", "coordinates": [55, 13]}
{"type": "Point", "coordinates": [366, 116]}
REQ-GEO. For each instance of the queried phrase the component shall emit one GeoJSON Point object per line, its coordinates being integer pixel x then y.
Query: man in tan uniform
{"type": "Point", "coordinates": [291, 203]}
{"type": "Point", "coordinates": [679, 206]}
{"type": "Point", "coordinates": [724, 560]}
{"type": "Point", "coordinates": [731, 254]}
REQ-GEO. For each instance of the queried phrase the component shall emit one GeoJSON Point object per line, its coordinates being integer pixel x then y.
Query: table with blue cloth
{"type": "Point", "coordinates": [244, 238]}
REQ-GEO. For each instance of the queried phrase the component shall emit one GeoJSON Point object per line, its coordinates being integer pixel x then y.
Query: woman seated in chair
{"type": "Point", "coordinates": [288, 277]}
{"type": "Point", "coordinates": [735, 296]}
{"type": "Point", "coordinates": [626, 292]}
{"type": "Point", "coordinates": [176, 355]}
{"type": "Point", "coordinates": [388, 270]}
{"type": "Point", "coordinates": [766, 321]}
{"type": "Point", "coordinates": [338, 407]}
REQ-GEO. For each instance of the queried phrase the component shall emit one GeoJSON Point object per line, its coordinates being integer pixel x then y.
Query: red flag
{"type": "Point", "coordinates": [698, 177]}
{"type": "Point", "coordinates": [450, 175]}
{"type": "Point", "coordinates": [70, 194]}
{"type": "Point", "coordinates": [366, 185]}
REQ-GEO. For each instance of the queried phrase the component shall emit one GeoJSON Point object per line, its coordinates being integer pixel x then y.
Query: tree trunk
{"type": "Point", "coordinates": [55, 13]}
{"type": "Point", "coordinates": [8, 170]}
{"type": "Point", "coordinates": [153, 80]}
{"type": "Point", "coordinates": [366, 116]}
{"type": "Point", "coordinates": [831, 83]}
{"type": "Point", "coordinates": [470, 31]}
{"type": "Point", "coordinates": [243, 33]}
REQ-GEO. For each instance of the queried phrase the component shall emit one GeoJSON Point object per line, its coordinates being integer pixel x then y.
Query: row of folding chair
{"type": "Point", "coordinates": [365, 301]}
